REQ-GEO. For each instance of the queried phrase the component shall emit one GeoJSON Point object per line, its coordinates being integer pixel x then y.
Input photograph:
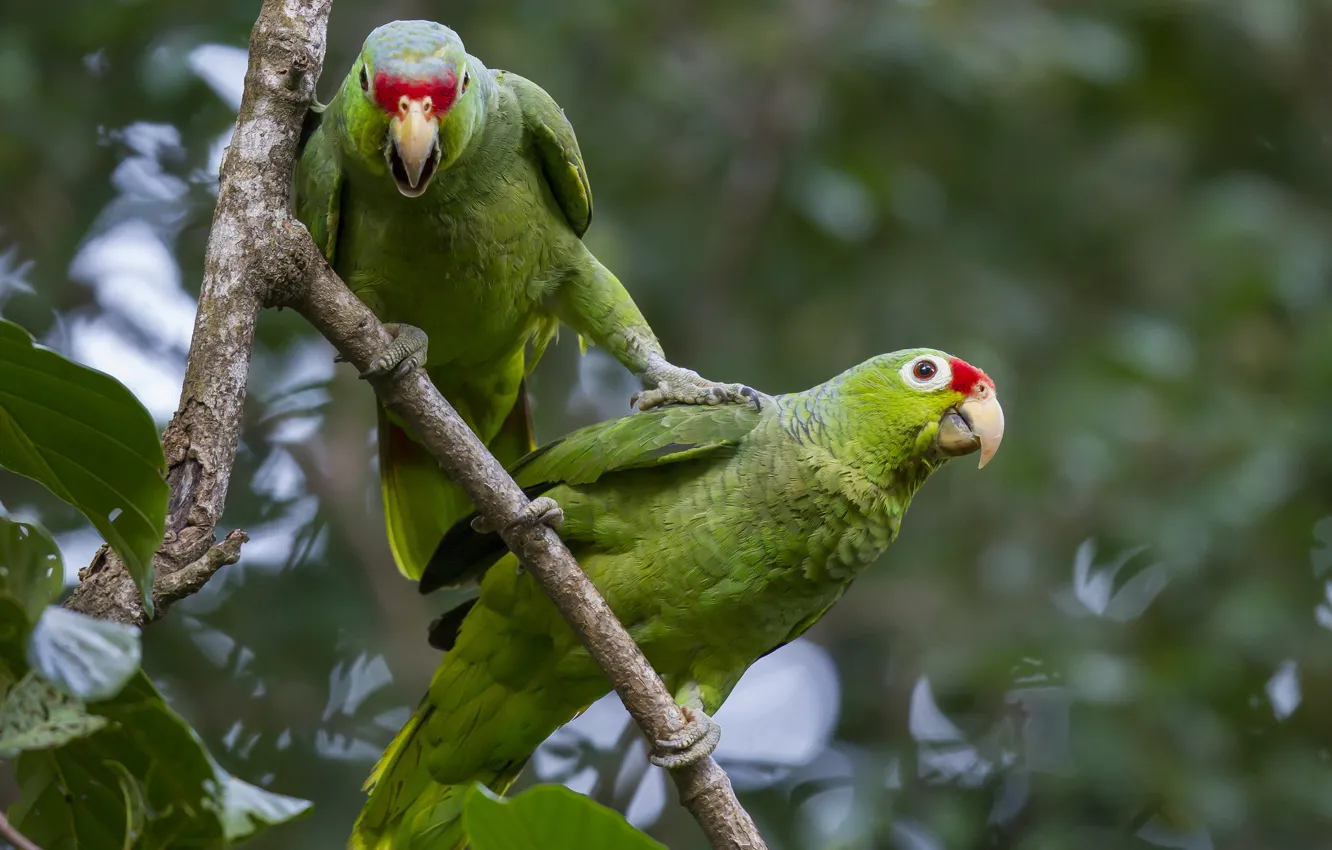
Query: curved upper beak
{"type": "Point", "coordinates": [415, 139]}
{"type": "Point", "coordinates": [985, 418]}
{"type": "Point", "coordinates": [977, 423]}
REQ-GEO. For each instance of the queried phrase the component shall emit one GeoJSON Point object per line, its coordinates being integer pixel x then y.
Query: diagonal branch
{"type": "Point", "coordinates": [13, 836]}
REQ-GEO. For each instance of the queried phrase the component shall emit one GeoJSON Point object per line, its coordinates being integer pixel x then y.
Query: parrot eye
{"type": "Point", "coordinates": [365, 80]}
{"type": "Point", "coordinates": [926, 373]}
{"type": "Point", "coordinates": [467, 80]}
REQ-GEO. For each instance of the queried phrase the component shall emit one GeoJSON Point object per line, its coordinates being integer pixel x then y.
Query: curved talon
{"type": "Point", "coordinates": [695, 742]}
{"type": "Point", "coordinates": [405, 353]}
{"type": "Point", "coordinates": [542, 509]}
{"type": "Point", "coordinates": [753, 395]}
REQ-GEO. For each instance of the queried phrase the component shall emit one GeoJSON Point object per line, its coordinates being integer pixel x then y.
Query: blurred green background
{"type": "Point", "coordinates": [1115, 636]}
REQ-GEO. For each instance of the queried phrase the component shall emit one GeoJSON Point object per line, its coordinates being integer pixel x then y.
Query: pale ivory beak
{"type": "Point", "coordinates": [985, 418]}
{"type": "Point", "coordinates": [415, 137]}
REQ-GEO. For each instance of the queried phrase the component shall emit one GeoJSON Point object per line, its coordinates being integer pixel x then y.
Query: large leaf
{"type": "Point", "coordinates": [14, 628]}
{"type": "Point", "coordinates": [89, 658]}
{"type": "Point", "coordinates": [85, 436]}
{"type": "Point", "coordinates": [37, 715]}
{"type": "Point", "coordinates": [149, 769]}
{"type": "Point", "coordinates": [30, 566]}
{"type": "Point", "coordinates": [547, 817]}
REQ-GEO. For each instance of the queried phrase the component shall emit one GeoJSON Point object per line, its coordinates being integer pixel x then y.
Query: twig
{"type": "Point", "coordinates": [190, 579]}
{"type": "Point", "coordinates": [13, 836]}
{"type": "Point", "coordinates": [200, 443]}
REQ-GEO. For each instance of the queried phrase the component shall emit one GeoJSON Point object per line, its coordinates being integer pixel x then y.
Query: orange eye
{"type": "Point", "coordinates": [467, 81]}
{"type": "Point", "coordinates": [924, 370]}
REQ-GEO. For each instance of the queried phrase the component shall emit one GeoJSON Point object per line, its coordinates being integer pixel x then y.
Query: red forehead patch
{"type": "Point", "coordinates": [966, 376]}
{"type": "Point", "coordinates": [389, 90]}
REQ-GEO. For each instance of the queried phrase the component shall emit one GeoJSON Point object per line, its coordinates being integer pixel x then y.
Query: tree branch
{"type": "Point", "coordinates": [13, 836]}
{"type": "Point", "coordinates": [258, 254]}
{"type": "Point", "coordinates": [286, 52]}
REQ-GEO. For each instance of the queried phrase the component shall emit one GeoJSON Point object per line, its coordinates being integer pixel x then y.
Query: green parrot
{"type": "Point", "coordinates": [453, 199]}
{"type": "Point", "coordinates": [716, 534]}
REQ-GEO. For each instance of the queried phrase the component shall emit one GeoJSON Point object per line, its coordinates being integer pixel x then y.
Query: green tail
{"type": "Point", "coordinates": [421, 502]}
{"type": "Point", "coordinates": [494, 698]}
{"type": "Point", "coordinates": [407, 810]}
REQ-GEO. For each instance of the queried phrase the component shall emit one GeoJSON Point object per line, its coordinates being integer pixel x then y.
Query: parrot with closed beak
{"type": "Point", "coordinates": [716, 534]}
{"type": "Point", "coordinates": [452, 199]}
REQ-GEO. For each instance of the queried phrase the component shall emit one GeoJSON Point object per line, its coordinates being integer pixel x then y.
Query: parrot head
{"type": "Point", "coordinates": [413, 101]}
{"type": "Point", "coordinates": [939, 405]}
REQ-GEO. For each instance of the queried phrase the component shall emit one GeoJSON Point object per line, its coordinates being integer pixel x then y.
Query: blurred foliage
{"type": "Point", "coordinates": [87, 439]}
{"type": "Point", "coordinates": [30, 568]}
{"type": "Point", "coordinates": [1118, 208]}
{"type": "Point", "coordinates": [101, 761]}
{"type": "Point", "coordinates": [99, 758]}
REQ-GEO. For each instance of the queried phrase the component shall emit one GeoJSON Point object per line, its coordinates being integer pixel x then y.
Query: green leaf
{"type": "Point", "coordinates": [50, 819]}
{"type": "Point", "coordinates": [87, 438]}
{"type": "Point", "coordinates": [89, 658]}
{"type": "Point", "coordinates": [30, 565]}
{"type": "Point", "coordinates": [246, 809]}
{"type": "Point", "coordinates": [136, 807]}
{"type": "Point", "coordinates": [36, 715]}
{"type": "Point", "coordinates": [14, 628]}
{"type": "Point", "coordinates": [547, 817]}
{"type": "Point", "coordinates": [146, 776]}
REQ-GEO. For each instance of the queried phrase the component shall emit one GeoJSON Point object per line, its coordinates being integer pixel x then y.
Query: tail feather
{"type": "Point", "coordinates": [406, 809]}
{"type": "Point", "coordinates": [421, 502]}
{"type": "Point", "coordinates": [487, 710]}
{"type": "Point", "coordinates": [517, 434]}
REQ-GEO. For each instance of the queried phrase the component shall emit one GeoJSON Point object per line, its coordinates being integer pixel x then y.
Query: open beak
{"type": "Point", "coordinates": [413, 151]}
{"type": "Point", "coordinates": [977, 423]}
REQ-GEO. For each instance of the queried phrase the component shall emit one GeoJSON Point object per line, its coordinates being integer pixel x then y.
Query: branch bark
{"type": "Point", "coordinates": [258, 254]}
{"type": "Point", "coordinates": [13, 836]}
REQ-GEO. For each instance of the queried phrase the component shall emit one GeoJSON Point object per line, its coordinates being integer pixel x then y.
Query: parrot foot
{"type": "Point", "coordinates": [405, 353]}
{"type": "Point", "coordinates": [674, 385]}
{"type": "Point", "coordinates": [696, 741]}
{"type": "Point", "coordinates": [543, 510]}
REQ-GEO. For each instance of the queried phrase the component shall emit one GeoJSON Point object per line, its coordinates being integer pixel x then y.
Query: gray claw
{"type": "Point", "coordinates": [673, 385]}
{"type": "Point", "coordinates": [543, 510]}
{"type": "Point", "coordinates": [405, 353]}
{"type": "Point", "coordinates": [696, 741]}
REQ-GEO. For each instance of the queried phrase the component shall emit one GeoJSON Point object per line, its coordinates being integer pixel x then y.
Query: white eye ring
{"type": "Point", "coordinates": [942, 377]}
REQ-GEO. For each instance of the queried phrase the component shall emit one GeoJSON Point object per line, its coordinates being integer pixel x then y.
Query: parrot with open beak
{"type": "Point", "coordinates": [453, 199]}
